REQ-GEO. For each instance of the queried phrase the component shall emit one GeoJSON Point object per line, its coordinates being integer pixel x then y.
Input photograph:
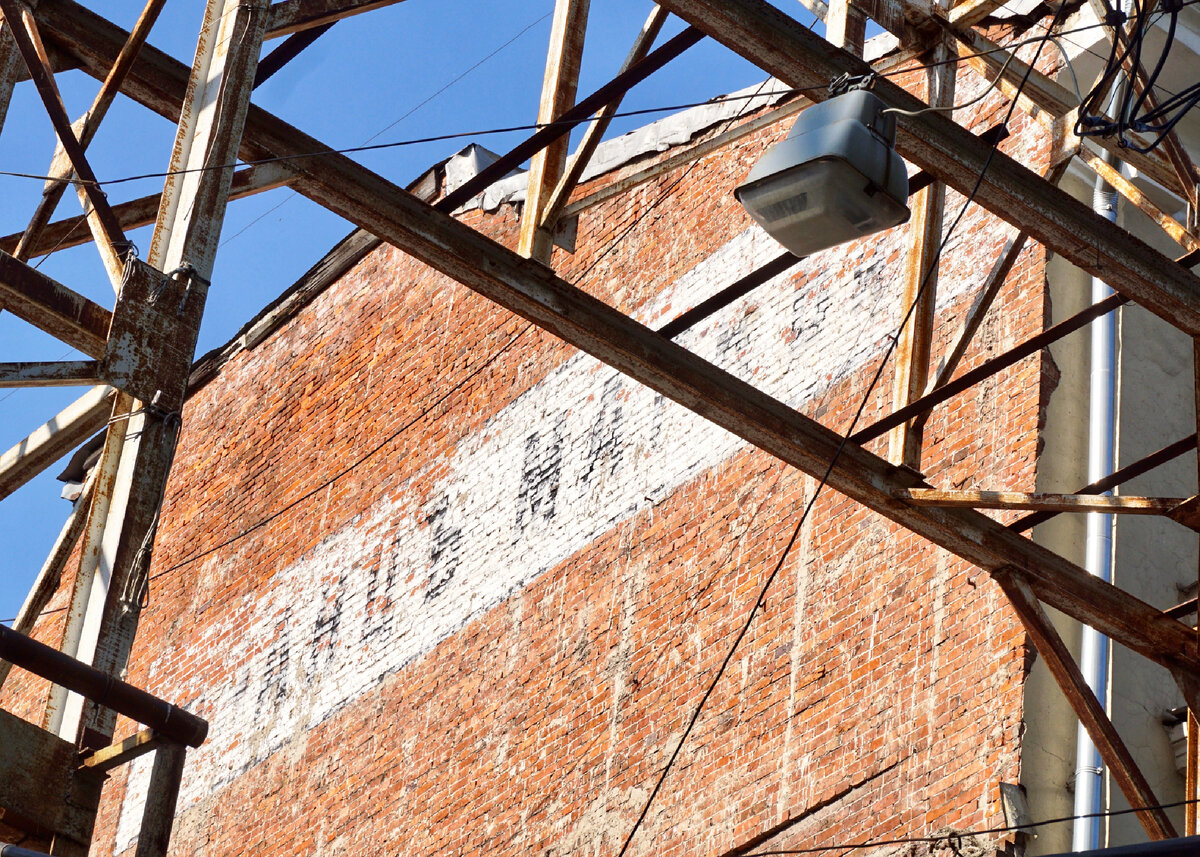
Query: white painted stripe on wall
{"type": "Point", "coordinates": [579, 453]}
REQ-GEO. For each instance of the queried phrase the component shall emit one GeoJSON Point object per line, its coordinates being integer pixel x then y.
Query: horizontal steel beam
{"type": "Point", "coordinates": [51, 441]}
{"type": "Point", "coordinates": [51, 306]}
{"type": "Point", "coordinates": [1119, 477]}
{"type": "Point", "coordinates": [63, 373]}
{"type": "Point", "coordinates": [1049, 502]}
{"type": "Point", "coordinates": [292, 16]}
{"type": "Point", "coordinates": [531, 290]}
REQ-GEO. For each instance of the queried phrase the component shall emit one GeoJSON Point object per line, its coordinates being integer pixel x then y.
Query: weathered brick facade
{"type": "Point", "coordinates": [496, 576]}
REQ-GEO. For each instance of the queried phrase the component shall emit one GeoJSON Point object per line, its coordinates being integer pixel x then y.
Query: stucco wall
{"type": "Point", "coordinates": [1154, 557]}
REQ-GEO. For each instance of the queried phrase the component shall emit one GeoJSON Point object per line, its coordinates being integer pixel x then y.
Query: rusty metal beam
{"type": "Point", "coordinates": [988, 368]}
{"type": "Point", "coordinates": [595, 132]}
{"type": "Point", "coordinates": [292, 16]}
{"type": "Point", "coordinates": [104, 475]}
{"type": "Point", "coordinates": [1041, 97]}
{"type": "Point", "coordinates": [67, 232]}
{"type": "Point", "coordinates": [10, 68]}
{"type": "Point", "coordinates": [920, 281]}
{"type": "Point", "coordinates": [54, 439]}
{"type": "Point", "coordinates": [532, 291]}
{"type": "Point", "coordinates": [64, 373]}
{"type": "Point", "coordinates": [689, 318]}
{"type": "Point", "coordinates": [1009, 500]}
{"type": "Point", "coordinates": [51, 306]}
{"type": "Point", "coordinates": [786, 48]}
{"type": "Point", "coordinates": [155, 326]}
{"type": "Point", "coordinates": [559, 85]}
{"type": "Point", "coordinates": [1088, 709]}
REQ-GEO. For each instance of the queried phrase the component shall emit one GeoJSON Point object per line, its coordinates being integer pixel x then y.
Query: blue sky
{"type": "Point", "coordinates": [360, 81]}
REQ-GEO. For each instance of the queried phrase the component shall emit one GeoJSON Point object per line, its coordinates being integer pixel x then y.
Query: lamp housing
{"type": "Point", "coordinates": [834, 178]}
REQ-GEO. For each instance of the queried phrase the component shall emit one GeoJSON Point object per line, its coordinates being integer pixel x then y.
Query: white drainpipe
{"type": "Point", "coordinates": [1098, 559]}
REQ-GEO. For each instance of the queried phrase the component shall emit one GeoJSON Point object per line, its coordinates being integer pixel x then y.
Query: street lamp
{"type": "Point", "coordinates": [834, 178]}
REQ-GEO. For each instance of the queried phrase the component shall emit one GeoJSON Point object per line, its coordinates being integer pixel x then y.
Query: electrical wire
{"type": "Point", "coordinates": [779, 93]}
{"type": "Point", "coordinates": [892, 345]}
{"type": "Point", "coordinates": [293, 195]}
{"type": "Point", "coordinates": [1128, 112]}
{"type": "Point", "coordinates": [371, 453]}
{"type": "Point", "coordinates": [959, 834]}
{"type": "Point", "coordinates": [536, 127]}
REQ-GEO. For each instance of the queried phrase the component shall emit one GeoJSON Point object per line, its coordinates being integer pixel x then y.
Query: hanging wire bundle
{"type": "Point", "coordinates": [1133, 109]}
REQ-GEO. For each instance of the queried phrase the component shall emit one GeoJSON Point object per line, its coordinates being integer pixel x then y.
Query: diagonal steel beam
{"type": "Point", "coordinates": [534, 292]}
{"type": "Point", "coordinates": [530, 290]}
{"type": "Point", "coordinates": [292, 16]}
{"type": "Point", "coordinates": [10, 68]}
{"type": "Point", "coordinates": [1091, 714]}
{"type": "Point", "coordinates": [63, 313]}
{"type": "Point", "coordinates": [51, 441]}
{"type": "Point", "coordinates": [108, 229]}
{"type": "Point", "coordinates": [69, 373]}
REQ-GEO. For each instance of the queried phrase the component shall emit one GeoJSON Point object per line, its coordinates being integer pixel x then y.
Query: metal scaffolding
{"type": "Point", "coordinates": [140, 350]}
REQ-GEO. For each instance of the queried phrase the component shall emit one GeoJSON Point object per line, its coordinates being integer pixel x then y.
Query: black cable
{"type": "Point", "coordinates": [1127, 109]}
{"type": "Point", "coordinates": [611, 245]}
{"type": "Point", "coordinates": [894, 341]}
{"type": "Point", "coordinates": [276, 514]}
{"type": "Point", "coordinates": [780, 93]}
{"type": "Point", "coordinates": [953, 834]}
{"type": "Point", "coordinates": [353, 466]}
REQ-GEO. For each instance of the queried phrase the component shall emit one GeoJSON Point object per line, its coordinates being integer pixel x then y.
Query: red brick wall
{"type": "Point", "coordinates": [491, 632]}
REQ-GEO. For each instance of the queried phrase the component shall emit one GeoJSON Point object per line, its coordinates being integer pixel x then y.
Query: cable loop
{"type": "Point", "coordinates": [847, 82]}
